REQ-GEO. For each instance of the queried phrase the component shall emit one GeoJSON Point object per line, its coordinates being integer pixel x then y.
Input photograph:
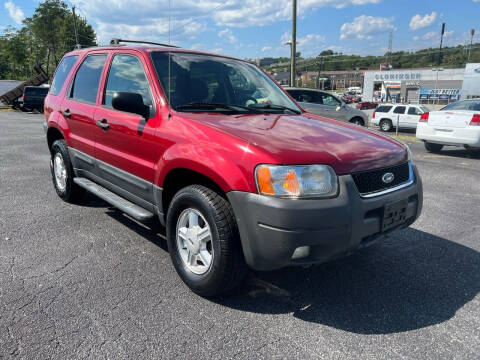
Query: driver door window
{"type": "Point", "coordinates": [330, 100]}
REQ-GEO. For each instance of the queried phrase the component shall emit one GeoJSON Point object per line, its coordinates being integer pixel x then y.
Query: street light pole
{"type": "Point", "coordinates": [293, 46]}
{"type": "Point", "coordinates": [439, 61]}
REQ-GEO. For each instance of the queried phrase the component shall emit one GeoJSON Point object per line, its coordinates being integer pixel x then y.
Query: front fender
{"type": "Point", "coordinates": [211, 160]}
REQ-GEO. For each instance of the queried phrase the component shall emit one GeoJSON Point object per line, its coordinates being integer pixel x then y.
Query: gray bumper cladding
{"type": "Point", "coordinates": [271, 229]}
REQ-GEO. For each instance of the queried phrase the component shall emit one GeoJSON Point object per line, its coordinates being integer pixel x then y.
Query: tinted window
{"type": "Point", "coordinates": [414, 111]}
{"type": "Point", "coordinates": [399, 110]}
{"type": "Point", "coordinates": [330, 100]}
{"type": "Point", "coordinates": [463, 105]}
{"type": "Point", "coordinates": [126, 74]}
{"type": "Point", "coordinates": [306, 96]}
{"type": "Point", "coordinates": [62, 72]}
{"type": "Point", "coordinates": [35, 91]}
{"type": "Point", "coordinates": [85, 85]}
{"type": "Point", "coordinates": [383, 108]}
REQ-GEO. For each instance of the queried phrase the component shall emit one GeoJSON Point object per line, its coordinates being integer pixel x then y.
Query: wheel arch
{"type": "Point", "coordinates": [53, 134]}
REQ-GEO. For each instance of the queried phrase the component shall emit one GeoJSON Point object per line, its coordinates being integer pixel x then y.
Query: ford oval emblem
{"type": "Point", "coordinates": [477, 70]}
{"type": "Point", "coordinates": [388, 178]}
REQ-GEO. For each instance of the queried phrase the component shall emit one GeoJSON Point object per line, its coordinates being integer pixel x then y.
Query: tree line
{"type": "Point", "coordinates": [328, 60]}
{"type": "Point", "coordinates": [42, 39]}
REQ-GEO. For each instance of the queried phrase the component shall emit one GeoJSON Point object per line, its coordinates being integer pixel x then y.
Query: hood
{"type": "Point", "coordinates": [310, 139]}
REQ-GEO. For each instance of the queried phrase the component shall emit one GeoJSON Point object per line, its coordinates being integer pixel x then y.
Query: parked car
{"type": "Point", "coordinates": [33, 97]}
{"type": "Point", "coordinates": [366, 105]}
{"type": "Point", "coordinates": [324, 104]}
{"type": "Point", "coordinates": [237, 172]}
{"type": "Point", "coordinates": [457, 124]}
{"type": "Point", "coordinates": [387, 116]}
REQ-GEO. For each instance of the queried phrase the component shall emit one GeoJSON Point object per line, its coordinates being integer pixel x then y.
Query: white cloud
{"type": "Point", "coordinates": [267, 48]}
{"type": "Point", "coordinates": [15, 12]}
{"type": "Point", "coordinates": [228, 35]}
{"type": "Point", "coordinates": [419, 22]}
{"type": "Point", "coordinates": [311, 44]}
{"type": "Point", "coordinates": [148, 19]}
{"type": "Point", "coordinates": [365, 27]}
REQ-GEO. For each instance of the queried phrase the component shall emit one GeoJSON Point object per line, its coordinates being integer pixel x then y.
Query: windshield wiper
{"type": "Point", "coordinates": [213, 106]}
{"type": "Point", "coordinates": [273, 106]}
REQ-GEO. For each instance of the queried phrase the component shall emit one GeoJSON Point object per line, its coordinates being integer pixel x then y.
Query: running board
{"type": "Point", "coordinates": [122, 204]}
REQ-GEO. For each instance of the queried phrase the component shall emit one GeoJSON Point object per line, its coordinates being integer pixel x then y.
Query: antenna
{"type": "Point", "coordinates": [77, 44]}
{"type": "Point", "coordinates": [169, 57]}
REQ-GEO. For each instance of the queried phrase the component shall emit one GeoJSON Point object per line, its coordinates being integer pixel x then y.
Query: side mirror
{"type": "Point", "coordinates": [130, 102]}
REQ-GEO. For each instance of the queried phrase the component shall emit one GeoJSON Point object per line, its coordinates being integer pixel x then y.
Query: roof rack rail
{"type": "Point", "coordinates": [116, 41]}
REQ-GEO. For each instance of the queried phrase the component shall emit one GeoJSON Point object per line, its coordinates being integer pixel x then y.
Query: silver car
{"type": "Point", "coordinates": [324, 104]}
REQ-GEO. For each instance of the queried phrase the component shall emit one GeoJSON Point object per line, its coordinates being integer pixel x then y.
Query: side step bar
{"type": "Point", "coordinates": [122, 204]}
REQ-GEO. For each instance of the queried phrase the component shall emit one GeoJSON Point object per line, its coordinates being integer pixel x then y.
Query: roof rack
{"type": "Point", "coordinates": [116, 41]}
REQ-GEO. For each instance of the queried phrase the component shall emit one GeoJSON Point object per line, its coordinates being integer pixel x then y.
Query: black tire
{"type": "Point", "coordinates": [357, 121]}
{"type": "Point", "coordinates": [71, 193]}
{"type": "Point", "coordinates": [228, 267]}
{"type": "Point", "coordinates": [386, 125]}
{"type": "Point", "coordinates": [434, 148]}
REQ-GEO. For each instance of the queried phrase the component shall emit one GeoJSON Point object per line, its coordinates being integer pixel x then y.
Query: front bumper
{"type": "Point", "coordinates": [272, 228]}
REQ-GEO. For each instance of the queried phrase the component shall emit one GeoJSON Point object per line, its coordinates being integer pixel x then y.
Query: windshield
{"type": "Point", "coordinates": [203, 79]}
{"type": "Point", "coordinates": [464, 105]}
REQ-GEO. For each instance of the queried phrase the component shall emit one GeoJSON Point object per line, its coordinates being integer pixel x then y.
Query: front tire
{"type": "Point", "coordinates": [203, 241]}
{"type": "Point", "coordinates": [62, 173]}
{"type": "Point", "coordinates": [357, 121]}
{"type": "Point", "coordinates": [434, 148]}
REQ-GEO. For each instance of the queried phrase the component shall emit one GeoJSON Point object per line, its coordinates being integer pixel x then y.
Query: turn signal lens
{"type": "Point", "coordinates": [373, 116]}
{"type": "Point", "coordinates": [475, 120]}
{"type": "Point", "coordinates": [424, 117]}
{"type": "Point", "coordinates": [264, 181]}
{"type": "Point", "coordinates": [296, 181]}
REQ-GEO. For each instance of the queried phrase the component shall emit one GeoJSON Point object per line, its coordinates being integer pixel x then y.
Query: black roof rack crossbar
{"type": "Point", "coordinates": [118, 41]}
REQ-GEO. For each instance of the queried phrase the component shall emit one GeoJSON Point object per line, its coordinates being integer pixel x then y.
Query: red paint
{"type": "Point", "coordinates": [225, 148]}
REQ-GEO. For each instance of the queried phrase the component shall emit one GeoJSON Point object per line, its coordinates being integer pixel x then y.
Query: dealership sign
{"type": "Point", "coordinates": [452, 94]}
{"type": "Point", "coordinates": [398, 76]}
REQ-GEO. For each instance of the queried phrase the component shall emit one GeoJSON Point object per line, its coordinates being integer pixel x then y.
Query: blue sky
{"type": "Point", "coordinates": [258, 28]}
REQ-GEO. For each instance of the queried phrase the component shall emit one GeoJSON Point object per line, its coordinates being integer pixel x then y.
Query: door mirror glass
{"type": "Point", "coordinates": [130, 102]}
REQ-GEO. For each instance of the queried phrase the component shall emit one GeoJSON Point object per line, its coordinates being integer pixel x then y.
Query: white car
{"type": "Point", "coordinates": [457, 124]}
{"type": "Point", "coordinates": [387, 116]}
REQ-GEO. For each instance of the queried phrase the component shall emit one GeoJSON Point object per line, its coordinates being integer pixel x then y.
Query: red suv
{"type": "Point", "coordinates": [240, 175]}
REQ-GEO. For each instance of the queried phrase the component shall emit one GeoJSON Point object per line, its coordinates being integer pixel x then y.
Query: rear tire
{"type": "Point", "coordinates": [62, 173]}
{"type": "Point", "coordinates": [224, 267]}
{"type": "Point", "coordinates": [433, 148]}
{"type": "Point", "coordinates": [386, 125]}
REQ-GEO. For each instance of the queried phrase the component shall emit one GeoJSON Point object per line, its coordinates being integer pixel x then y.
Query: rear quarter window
{"type": "Point", "coordinates": [384, 108]}
{"type": "Point", "coordinates": [61, 74]}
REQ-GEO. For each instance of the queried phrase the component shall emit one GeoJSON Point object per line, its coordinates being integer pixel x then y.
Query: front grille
{"type": "Point", "coordinates": [370, 181]}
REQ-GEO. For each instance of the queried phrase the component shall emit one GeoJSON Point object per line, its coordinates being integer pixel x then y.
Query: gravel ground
{"type": "Point", "coordinates": [85, 281]}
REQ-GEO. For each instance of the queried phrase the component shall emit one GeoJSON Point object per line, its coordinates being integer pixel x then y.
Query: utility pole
{"type": "Point", "coordinates": [77, 43]}
{"type": "Point", "coordinates": [389, 53]}
{"type": "Point", "coordinates": [472, 32]}
{"type": "Point", "coordinates": [293, 46]}
{"type": "Point", "coordinates": [439, 61]}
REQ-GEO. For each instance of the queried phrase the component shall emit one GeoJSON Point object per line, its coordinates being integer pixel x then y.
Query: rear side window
{"type": "Point", "coordinates": [62, 72]}
{"type": "Point", "coordinates": [414, 111]}
{"type": "Point", "coordinates": [127, 75]}
{"type": "Point", "coordinates": [383, 109]}
{"type": "Point", "coordinates": [399, 110]}
{"type": "Point", "coordinates": [36, 91]}
{"type": "Point", "coordinates": [85, 85]}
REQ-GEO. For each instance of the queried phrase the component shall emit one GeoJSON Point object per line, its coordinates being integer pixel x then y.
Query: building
{"type": "Point", "coordinates": [424, 86]}
{"type": "Point", "coordinates": [267, 61]}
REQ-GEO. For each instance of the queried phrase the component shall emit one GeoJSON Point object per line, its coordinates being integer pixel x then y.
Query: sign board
{"type": "Point", "coordinates": [443, 94]}
{"type": "Point", "coordinates": [397, 76]}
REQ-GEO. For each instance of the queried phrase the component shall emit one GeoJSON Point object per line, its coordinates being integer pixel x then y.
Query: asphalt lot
{"type": "Point", "coordinates": [85, 281]}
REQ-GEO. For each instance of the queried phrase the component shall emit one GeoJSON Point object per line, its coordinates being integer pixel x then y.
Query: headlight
{"type": "Point", "coordinates": [299, 181]}
{"type": "Point", "coordinates": [410, 155]}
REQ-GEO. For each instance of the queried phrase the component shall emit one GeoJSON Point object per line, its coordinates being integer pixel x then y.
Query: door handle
{"type": "Point", "coordinates": [67, 113]}
{"type": "Point", "coordinates": [103, 124]}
